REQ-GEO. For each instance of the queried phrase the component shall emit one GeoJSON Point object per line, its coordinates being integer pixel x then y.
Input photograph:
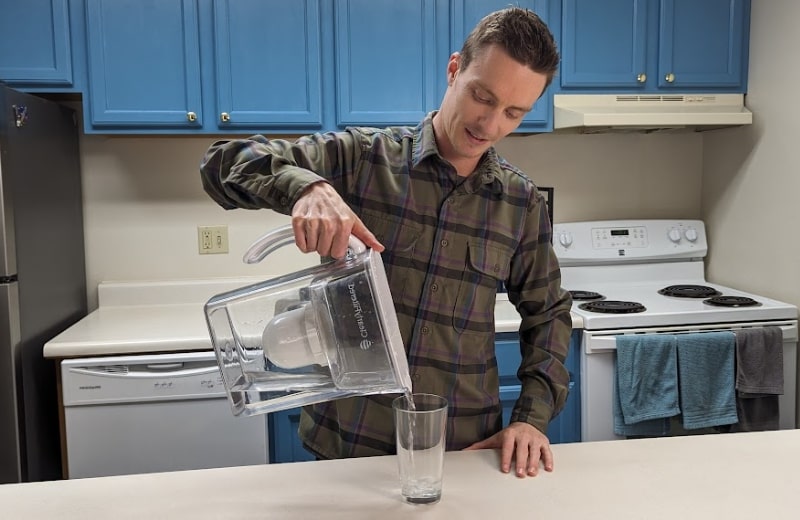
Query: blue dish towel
{"type": "Point", "coordinates": [705, 368]}
{"type": "Point", "coordinates": [646, 393]}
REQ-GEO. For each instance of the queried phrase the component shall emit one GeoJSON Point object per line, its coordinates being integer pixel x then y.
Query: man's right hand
{"type": "Point", "coordinates": [323, 222]}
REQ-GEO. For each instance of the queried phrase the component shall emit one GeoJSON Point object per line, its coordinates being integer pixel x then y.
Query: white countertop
{"type": "Point", "coordinates": [732, 476]}
{"type": "Point", "coordinates": [167, 316]}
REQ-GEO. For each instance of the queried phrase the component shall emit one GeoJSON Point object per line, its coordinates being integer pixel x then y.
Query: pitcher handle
{"type": "Point", "coordinates": [282, 236]}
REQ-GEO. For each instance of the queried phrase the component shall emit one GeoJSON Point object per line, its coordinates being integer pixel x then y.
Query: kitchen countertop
{"type": "Point", "coordinates": [167, 316]}
{"type": "Point", "coordinates": [731, 476]}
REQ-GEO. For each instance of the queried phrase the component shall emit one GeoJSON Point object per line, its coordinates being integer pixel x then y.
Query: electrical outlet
{"type": "Point", "coordinates": [212, 240]}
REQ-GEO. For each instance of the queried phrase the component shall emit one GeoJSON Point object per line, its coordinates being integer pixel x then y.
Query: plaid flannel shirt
{"type": "Point", "coordinates": [449, 240]}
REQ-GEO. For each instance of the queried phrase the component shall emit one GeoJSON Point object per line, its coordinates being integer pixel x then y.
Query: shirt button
{"type": "Point", "coordinates": [496, 268]}
{"type": "Point", "coordinates": [444, 242]}
{"type": "Point", "coordinates": [434, 287]}
{"type": "Point", "coordinates": [425, 330]}
{"type": "Point", "coordinates": [284, 201]}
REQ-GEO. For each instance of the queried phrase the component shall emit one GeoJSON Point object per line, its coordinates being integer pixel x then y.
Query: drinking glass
{"type": "Point", "coordinates": [420, 424]}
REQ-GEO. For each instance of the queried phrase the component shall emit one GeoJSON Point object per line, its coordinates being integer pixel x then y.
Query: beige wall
{"type": "Point", "coordinates": [751, 180]}
{"type": "Point", "coordinates": [144, 201]}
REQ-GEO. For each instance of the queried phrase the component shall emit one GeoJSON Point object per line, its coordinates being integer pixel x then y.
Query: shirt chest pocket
{"type": "Point", "coordinates": [474, 308]}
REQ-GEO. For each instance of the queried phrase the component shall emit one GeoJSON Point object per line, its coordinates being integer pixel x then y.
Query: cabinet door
{"type": "Point", "coordinates": [467, 13]}
{"type": "Point", "coordinates": [35, 42]}
{"type": "Point", "coordinates": [566, 426]}
{"type": "Point", "coordinates": [144, 63]}
{"type": "Point", "coordinates": [285, 445]}
{"type": "Point", "coordinates": [387, 60]}
{"type": "Point", "coordinates": [604, 44]}
{"type": "Point", "coordinates": [268, 63]}
{"type": "Point", "coordinates": [701, 44]}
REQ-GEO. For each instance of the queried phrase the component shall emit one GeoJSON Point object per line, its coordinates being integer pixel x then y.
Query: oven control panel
{"type": "Point", "coordinates": [626, 241]}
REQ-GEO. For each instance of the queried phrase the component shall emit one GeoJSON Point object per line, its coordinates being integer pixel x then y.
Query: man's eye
{"type": "Point", "coordinates": [482, 99]}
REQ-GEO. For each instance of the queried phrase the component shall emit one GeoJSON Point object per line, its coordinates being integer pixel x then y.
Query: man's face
{"type": "Point", "coordinates": [483, 103]}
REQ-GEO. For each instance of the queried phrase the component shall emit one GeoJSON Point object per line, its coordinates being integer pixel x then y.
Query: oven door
{"type": "Point", "coordinates": [598, 365]}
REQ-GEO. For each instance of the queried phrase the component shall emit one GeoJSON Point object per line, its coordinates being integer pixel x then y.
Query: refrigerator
{"type": "Point", "coordinates": [42, 275]}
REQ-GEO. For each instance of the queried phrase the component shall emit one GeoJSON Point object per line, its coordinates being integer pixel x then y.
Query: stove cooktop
{"type": "Point", "coordinates": [662, 310]}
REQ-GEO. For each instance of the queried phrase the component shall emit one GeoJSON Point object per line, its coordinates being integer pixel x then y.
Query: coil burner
{"type": "Point", "coordinates": [612, 307]}
{"type": "Point", "coordinates": [586, 295]}
{"type": "Point", "coordinates": [732, 301]}
{"type": "Point", "coordinates": [689, 291]}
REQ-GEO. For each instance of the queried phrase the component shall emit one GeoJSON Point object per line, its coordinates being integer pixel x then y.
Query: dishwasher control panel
{"type": "Point", "coordinates": [185, 375]}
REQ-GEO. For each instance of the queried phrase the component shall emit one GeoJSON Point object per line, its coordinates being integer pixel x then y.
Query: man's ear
{"type": "Point", "coordinates": [452, 67]}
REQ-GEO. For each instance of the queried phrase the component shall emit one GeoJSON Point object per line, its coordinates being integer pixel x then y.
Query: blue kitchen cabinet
{"type": "Point", "coordinates": [466, 14]}
{"type": "Point", "coordinates": [268, 64]}
{"type": "Point", "coordinates": [390, 60]}
{"type": "Point", "coordinates": [35, 43]}
{"type": "Point", "coordinates": [285, 444]}
{"type": "Point", "coordinates": [566, 426]}
{"type": "Point", "coordinates": [654, 45]}
{"type": "Point", "coordinates": [144, 63]}
{"type": "Point", "coordinates": [192, 66]}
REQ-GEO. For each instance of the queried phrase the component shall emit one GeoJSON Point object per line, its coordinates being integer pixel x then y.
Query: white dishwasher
{"type": "Point", "coordinates": [153, 413]}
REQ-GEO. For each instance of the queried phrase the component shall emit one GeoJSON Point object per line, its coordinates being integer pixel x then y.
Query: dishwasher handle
{"type": "Point", "coordinates": [148, 370]}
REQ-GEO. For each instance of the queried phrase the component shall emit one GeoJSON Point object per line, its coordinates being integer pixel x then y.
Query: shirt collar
{"type": "Point", "coordinates": [425, 146]}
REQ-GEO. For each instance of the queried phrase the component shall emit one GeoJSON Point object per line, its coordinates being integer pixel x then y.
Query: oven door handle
{"type": "Point", "coordinates": [597, 344]}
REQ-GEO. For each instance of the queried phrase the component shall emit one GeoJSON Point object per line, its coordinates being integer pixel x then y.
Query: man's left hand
{"type": "Point", "coordinates": [524, 444]}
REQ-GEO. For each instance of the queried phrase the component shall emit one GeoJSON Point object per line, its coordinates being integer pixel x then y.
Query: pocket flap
{"type": "Point", "coordinates": [489, 260]}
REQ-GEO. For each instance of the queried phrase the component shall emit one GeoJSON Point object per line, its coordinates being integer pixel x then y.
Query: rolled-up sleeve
{"type": "Point", "coordinates": [257, 172]}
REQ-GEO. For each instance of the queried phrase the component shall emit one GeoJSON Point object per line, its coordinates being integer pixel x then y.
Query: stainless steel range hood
{"type": "Point", "coordinates": [636, 112]}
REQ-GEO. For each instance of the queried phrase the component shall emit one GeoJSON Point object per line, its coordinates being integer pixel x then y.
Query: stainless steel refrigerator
{"type": "Point", "coordinates": [42, 275]}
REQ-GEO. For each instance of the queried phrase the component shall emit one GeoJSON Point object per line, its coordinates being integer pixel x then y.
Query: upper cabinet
{"type": "Point", "coordinates": [390, 60]}
{"type": "Point", "coordinates": [144, 63]}
{"type": "Point", "coordinates": [150, 70]}
{"type": "Point", "coordinates": [301, 66]}
{"type": "Point", "coordinates": [655, 45]}
{"type": "Point", "coordinates": [35, 43]}
{"type": "Point", "coordinates": [267, 64]}
{"type": "Point", "coordinates": [467, 13]}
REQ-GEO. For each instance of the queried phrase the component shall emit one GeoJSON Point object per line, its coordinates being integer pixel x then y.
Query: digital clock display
{"type": "Point", "coordinates": [619, 232]}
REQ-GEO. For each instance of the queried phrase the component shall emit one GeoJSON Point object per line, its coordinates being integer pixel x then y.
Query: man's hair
{"type": "Point", "coordinates": [521, 34]}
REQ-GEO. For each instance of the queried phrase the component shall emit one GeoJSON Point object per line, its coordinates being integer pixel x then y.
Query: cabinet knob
{"type": "Point", "coordinates": [224, 117]}
{"type": "Point", "coordinates": [670, 77]}
{"type": "Point", "coordinates": [641, 78]}
{"type": "Point", "coordinates": [191, 116]}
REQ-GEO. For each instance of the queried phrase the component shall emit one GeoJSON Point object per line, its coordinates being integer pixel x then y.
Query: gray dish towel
{"type": "Point", "coordinates": [759, 360]}
{"type": "Point", "coordinates": [759, 378]}
{"type": "Point", "coordinates": [706, 374]}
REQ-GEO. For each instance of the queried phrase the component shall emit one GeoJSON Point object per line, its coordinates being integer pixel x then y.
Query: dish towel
{"type": "Point", "coordinates": [706, 373]}
{"type": "Point", "coordinates": [759, 378]}
{"type": "Point", "coordinates": [646, 384]}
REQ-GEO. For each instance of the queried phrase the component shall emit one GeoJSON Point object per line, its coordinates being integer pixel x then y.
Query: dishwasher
{"type": "Point", "coordinates": [153, 413]}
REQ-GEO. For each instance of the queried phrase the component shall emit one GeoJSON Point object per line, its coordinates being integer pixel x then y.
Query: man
{"type": "Point", "coordinates": [452, 219]}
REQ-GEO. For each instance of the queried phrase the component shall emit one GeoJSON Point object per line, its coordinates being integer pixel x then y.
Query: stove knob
{"type": "Point", "coordinates": [565, 239]}
{"type": "Point", "coordinates": [690, 234]}
{"type": "Point", "coordinates": [674, 235]}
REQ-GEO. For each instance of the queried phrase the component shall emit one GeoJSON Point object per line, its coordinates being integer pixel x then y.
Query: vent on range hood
{"type": "Point", "coordinates": [635, 112]}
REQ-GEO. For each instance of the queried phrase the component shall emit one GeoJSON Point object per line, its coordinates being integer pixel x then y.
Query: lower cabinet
{"type": "Point", "coordinates": [566, 426]}
{"type": "Point", "coordinates": [285, 445]}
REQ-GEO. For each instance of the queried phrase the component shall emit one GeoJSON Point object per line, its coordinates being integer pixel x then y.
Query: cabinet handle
{"type": "Point", "coordinates": [224, 117]}
{"type": "Point", "coordinates": [191, 116]}
{"type": "Point", "coordinates": [670, 77]}
{"type": "Point", "coordinates": [641, 78]}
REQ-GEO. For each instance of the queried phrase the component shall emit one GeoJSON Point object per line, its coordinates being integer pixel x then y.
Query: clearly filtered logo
{"type": "Point", "coordinates": [358, 314]}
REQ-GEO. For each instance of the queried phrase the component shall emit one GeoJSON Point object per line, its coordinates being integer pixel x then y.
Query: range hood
{"type": "Point", "coordinates": [649, 112]}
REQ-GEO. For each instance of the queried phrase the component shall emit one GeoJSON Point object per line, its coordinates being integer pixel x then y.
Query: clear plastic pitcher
{"type": "Point", "coordinates": [319, 334]}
